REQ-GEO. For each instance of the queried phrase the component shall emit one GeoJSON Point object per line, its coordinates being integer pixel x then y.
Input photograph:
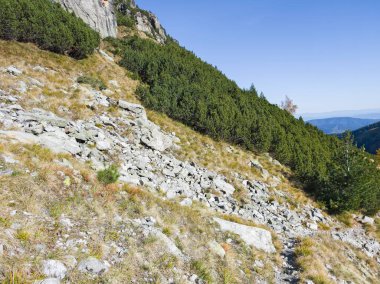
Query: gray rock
{"type": "Point", "coordinates": [367, 220]}
{"type": "Point", "coordinates": [256, 237]}
{"type": "Point", "coordinates": [99, 17]}
{"type": "Point", "coordinates": [186, 202]}
{"type": "Point", "coordinates": [105, 55]}
{"type": "Point", "coordinates": [224, 186]}
{"type": "Point", "coordinates": [14, 71]}
{"type": "Point", "coordinates": [216, 248]}
{"type": "Point", "coordinates": [155, 139]}
{"type": "Point", "coordinates": [94, 266]}
{"type": "Point", "coordinates": [134, 108]}
{"type": "Point", "coordinates": [54, 269]}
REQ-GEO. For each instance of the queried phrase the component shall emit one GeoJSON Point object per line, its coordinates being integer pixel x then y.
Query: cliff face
{"type": "Point", "coordinates": [98, 14]}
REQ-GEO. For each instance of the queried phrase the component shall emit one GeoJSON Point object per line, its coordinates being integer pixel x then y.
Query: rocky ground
{"type": "Point", "coordinates": [169, 219]}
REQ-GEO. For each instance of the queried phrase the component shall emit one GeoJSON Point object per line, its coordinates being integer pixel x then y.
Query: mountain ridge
{"type": "Point", "coordinates": [337, 125]}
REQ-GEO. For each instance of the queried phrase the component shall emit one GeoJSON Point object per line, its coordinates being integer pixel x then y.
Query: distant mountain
{"type": "Point", "coordinates": [363, 114]}
{"type": "Point", "coordinates": [336, 125]}
{"type": "Point", "coordinates": [369, 137]}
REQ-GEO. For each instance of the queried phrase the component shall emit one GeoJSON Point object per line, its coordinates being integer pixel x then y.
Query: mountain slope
{"type": "Point", "coordinates": [369, 137]}
{"type": "Point", "coordinates": [57, 220]}
{"type": "Point", "coordinates": [336, 125]}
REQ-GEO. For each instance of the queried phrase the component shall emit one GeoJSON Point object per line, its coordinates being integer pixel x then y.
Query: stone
{"type": "Point", "coordinates": [256, 237]}
{"type": "Point", "coordinates": [22, 87]}
{"type": "Point", "coordinates": [224, 186]}
{"type": "Point", "coordinates": [54, 269]}
{"type": "Point", "coordinates": [105, 55]}
{"type": "Point", "coordinates": [101, 18]}
{"type": "Point", "coordinates": [93, 266]}
{"type": "Point", "coordinates": [153, 138]}
{"type": "Point", "coordinates": [312, 226]}
{"type": "Point", "coordinates": [14, 71]}
{"type": "Point", "coordinates": [216, 248]}
{"type": "Point", "coordinates": [186, 202]}
{"type": "Point", "coordinates": [138, 110]}
{"type": "Point", "coordinates": [103, 145]}
{"type": "Point", "coordinates": [367, 220]}
{"type": "Point", "coordinates": [256, 164]}
{"type": "Point", "coordinates": [59, 142]}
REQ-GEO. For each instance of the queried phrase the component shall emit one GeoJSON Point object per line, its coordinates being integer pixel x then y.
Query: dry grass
{"type": "Point", "coordinates": [321, 256]}
{"type": "Point", "coordinates": [60, 88]}
{"type": "Point", "coordinates": [92, 206]}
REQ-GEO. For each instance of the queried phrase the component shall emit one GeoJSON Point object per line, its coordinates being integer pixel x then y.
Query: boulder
{"type": "Point", "coordinates": [54, 269]}
{"type": "Point", "coordinates": [94, 266]}
{"type": "Point", "coordinates": [138, 110]}
{"type": "Point", "coordinates": [367, 220]}
{"type": "Point", "coordinates": [256, 237]}
{"type": "Point", "coordinates": [153, 138]}
{"type": "Point", "coordinates": [216, 248]}
{"type": "Point", "coordinates": [221, 184]}
{"type": "Point", "coordinates": [14, 71]}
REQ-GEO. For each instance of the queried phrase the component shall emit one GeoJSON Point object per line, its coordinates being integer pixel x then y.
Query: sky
{"type": "Point", "coordinates": [323, 54]}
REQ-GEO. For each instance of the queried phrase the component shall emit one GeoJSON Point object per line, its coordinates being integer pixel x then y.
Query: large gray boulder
{"type": "Point", "coordinates": [94, 266]}
{"type": "Point", "coordinates": [98, 16]}
{"type": "Point", "coordinates": [256, 237]}
{"type": "Point", "coordinates": [54, 269]}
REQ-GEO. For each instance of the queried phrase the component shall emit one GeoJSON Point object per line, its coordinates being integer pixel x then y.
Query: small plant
{"type": "Point", "coordinates": [201, 270]}
{"type": "Point", "coordinates": [23, 236]}
{"type": "Point", "coordinates": [109, 175]}
{"type": "Point", "coordinates": [93, 82]}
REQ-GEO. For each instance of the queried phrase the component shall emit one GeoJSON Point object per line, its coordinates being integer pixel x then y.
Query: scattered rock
{"type": "Point", "coordinates": [256, 237]}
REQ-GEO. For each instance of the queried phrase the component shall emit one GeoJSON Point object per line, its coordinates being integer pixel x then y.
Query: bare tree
{"type": "Point", "coordinates": [289, 105]}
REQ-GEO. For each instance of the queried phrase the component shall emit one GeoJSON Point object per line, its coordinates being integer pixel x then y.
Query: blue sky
{"type": "Point", "coordinates": [324, 54]}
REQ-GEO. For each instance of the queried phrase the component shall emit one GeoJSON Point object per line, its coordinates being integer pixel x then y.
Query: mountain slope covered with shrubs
{"type": "Point", "coordinates": [369, 137]}
{"type": "Point", "coordinates": [189, 90]}
{"type": "Point", "coordinates": [48, 25]}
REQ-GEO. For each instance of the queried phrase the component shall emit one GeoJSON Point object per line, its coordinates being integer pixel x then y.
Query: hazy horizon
{"type": "Point", "coordinates": [324, 55]}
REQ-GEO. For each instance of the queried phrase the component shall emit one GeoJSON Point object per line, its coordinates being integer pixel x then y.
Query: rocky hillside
{"type": "Point", "coordinates": [185, 209]}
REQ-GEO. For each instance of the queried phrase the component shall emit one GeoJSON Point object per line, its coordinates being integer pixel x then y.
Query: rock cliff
{"type": "Point", "coordinates": [98, 14]}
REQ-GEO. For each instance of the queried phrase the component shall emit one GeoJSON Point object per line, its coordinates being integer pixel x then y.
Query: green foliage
{"type": "Point", "coordinates": [369, 137]}
{"type": "Point", "coordinates": [354, 180]}
{"type": "Point", "coordinates": [189, 90]}
{"type": "Point", "coordinates": [95, 83]}
{"type": "Point", "coordinates": [109, 175]}
{"type": "Point", "coordinates": [48, 25]}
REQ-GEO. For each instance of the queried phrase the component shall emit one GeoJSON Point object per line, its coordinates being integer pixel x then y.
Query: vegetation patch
{"type": "Point", "coordinates": [93, 82]}
{"type": "Point", "coordinates": [109, 175]}
{"type": "Point", "coordinates": [48, 25]}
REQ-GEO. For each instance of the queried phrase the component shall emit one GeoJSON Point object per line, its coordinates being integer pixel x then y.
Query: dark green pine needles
{"type": "Point", "coordinates": [47, 25]}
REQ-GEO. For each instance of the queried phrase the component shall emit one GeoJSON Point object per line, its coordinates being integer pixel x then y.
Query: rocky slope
{"type": "Point", "coordinates": [170, 219]}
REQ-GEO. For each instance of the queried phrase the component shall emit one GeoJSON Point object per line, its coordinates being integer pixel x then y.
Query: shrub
{"type": "Point", "coordinates": [95, 83]}
{"type": "Point", "coordinates": [48, 25]}
{"type": "Point", "coordinates": [109, 175]}
{"type": "Point", "coordinates": [201, 270]}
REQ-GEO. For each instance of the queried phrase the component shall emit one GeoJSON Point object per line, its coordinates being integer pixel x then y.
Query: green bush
{"type": "Point", "coordinates": [47, 25]}
{"type": "Point", "coordinates": [187, 89]}
{"type": "Point", "coordinates": [95, 83]}
{"type": "Point", "coordinates": [109, 175]}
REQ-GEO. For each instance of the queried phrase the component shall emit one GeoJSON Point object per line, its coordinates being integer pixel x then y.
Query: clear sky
{"type": "Point", "coordinates": [324, 54]}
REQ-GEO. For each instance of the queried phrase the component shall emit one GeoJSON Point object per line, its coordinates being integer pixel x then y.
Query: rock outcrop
{"type": "Point", "coordinates": [98, 15]}
{"type": "Point", "coordinates": [145, 21]}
